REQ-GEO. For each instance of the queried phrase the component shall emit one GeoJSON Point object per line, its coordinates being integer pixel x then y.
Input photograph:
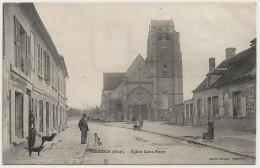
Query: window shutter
{"type": "Point", "coordinates": [51, 72]}
{"type": "Point", "coordinates": [48, 68]}
{"type": "Point", "coordinates": [44, 116]}
{"type": "Point", "coordinates": [202, 108]}
{"type": "Point", "coordinates": [28, 65]}
{"type": "Point", "coordinates": [58, 116]}
{"type": "Point", "coordinates": [230, 107]}
{"type": "Point", "coordinates": [38, 114]}
{"type": "Point", "coordinates": [15, 30]}
{"type": "Point", "coordinates": [26, 115]}
{"type": "Point", "coordinates": [185, 110]}
{"type": "Point", "coordinates": [45, 66]}
{"type": "Point", "coordinates": [243, 106]}
{"type": "Point", "coordinates": [221, 105]}
{"type": "Point", "coordinates": [196, 108]}
{"type": "Point", "coordinates": [50, 116]}
{"type": "Point", "coordinates": [17, 44]}
{"type": "Point", "coordinates": [12, 113]}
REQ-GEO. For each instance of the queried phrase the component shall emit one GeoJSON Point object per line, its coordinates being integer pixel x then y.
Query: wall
{"type": "Point", "coordinates": [32, 87]}
{"type": "Point", "coordinates": [246, 121]}
{"type": "Point", "coordinates": [176, 116]}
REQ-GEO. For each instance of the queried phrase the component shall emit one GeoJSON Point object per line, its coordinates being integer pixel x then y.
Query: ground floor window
{"type": "Point", "coordinates": [199, 107]}
{"type": "Point", "coordinates": [191, 111]}
{"type": "Point", "coordinates": [19, 115]}
{"type": "Point", "coordinates": [187, 111]}
{"type": "Point", "coordinates": [53, 116]}
{"type": "Point", "coordinates": [236, 98]}
{"type": "Point", "coordinates": [56, 118]}
{"type": "Point", "coordinates": [215, 106]}
{"type": "Point", "coordinates": [41, 115]}
{"type": "Point", "coordinates": [47, 116]}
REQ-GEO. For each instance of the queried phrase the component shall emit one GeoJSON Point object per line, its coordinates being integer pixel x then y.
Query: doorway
{"type": "Point", "coordinates": [135, 113]}
{"type": "Point", "coordinates": [19, 115]}
{"type": "Point", "coordinates": [41, 116]}
{"type": "Point", "coordinates": [144, 112]}
{"type": "Point", "coordinates": [47, 118]}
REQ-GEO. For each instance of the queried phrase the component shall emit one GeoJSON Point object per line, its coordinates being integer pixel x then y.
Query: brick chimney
{"type": "Point", "coordinates": [211, 64]}
{"type": "Point", "coordinates": [230, 52]}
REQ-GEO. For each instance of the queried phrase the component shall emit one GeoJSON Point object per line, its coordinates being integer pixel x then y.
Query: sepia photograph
{"type": "Point", "coordinates": [129, 83]}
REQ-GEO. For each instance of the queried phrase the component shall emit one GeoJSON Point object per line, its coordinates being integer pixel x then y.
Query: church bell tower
{"type": "Point", "coordinates": [164, 62]}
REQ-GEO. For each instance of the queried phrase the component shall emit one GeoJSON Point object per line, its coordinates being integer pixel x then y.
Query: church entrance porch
{"type": "Point", "coordinates": [139, 111]}
{"type": "Point", "coordinates": [139, 102]}
{"type": "Point", "coordinates": [144, 112]}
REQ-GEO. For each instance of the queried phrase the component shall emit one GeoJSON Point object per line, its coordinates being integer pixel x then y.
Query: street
{"type": "Point", "coordinates": [126, 146]}
{"type": "Point", "coordinates": [136, 147]}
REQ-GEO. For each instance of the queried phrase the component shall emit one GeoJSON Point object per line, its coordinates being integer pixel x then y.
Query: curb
{"type": "Point", "coordinates": [190, 141]}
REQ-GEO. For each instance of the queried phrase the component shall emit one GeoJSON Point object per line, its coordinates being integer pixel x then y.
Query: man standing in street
{"type": "Point", "coordinates": [32, 130]}
{"type": "Point", "coordinates": [83, 126]}
{"type": "Point", "coordinates": [141, 123]}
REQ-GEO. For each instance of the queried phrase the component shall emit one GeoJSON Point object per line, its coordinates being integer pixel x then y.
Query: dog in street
{"type": "Point", "coordinates": [34, 149]}
{"type": "Point", "coordinates": [48, 138]}
{"type": "Point", "coordinates": [97, 139]}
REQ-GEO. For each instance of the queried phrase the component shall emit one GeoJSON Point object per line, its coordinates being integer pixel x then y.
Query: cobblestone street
{"type": "Point", "coordinates": [67, 151]}
{"type": "Point", "coordinates": [125, 146]}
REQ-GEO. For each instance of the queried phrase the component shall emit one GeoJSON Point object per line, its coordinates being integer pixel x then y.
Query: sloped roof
{"type": "Point", "coordinates": [112, 80]}
{"type": "Point", "coordinates": [238, 68]}
{"type": "Point", "coordinates": [138, 60]}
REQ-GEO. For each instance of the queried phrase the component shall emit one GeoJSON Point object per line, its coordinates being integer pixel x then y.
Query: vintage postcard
{"type": "Point", "coordinates": [129, 83]}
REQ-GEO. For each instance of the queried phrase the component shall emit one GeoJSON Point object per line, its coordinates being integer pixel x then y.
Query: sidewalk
{"type": "Point", "coordinates": [237, 142]}
{"type": "Point", "coordinates": [67, 151]}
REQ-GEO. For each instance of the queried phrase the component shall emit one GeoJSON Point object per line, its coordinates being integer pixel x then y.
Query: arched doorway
{"type": "Point", "coordinates": [139, 104]}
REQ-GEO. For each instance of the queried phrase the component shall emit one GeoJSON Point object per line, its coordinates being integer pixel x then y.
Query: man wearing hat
{"type": "Point", "coordinates": [83, 126]}
{"type": "Point", "coordinates": [32, 129]}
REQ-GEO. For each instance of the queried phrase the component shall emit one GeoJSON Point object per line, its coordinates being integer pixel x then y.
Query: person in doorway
{"type": "Point", "coordinates": [32, 130]}
{"type": "Point", "coordinates": [83, 126]}
{"type": "Point", "coordinates": [141, 122]}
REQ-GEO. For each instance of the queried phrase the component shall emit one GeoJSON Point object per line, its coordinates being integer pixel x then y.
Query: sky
{"type": "Point", "coordinates": [106, 37]}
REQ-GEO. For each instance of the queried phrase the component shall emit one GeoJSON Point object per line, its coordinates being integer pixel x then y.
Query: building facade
{"type": "Point", "coordinates": [228, 94]}
{"type": "Point", "coordinates": [150, 87]}
{"type": "Point", "coordinates": [34, 78]}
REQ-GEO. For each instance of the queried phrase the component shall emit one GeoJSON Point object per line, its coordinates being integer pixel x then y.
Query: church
{"type": "Point", "coordinates": [150, 87]}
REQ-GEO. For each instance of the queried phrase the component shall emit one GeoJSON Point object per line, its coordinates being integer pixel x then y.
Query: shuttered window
{"type": "Point", "coordinates": [45, 65]}
{"type": "Point", "coordinates": [215, 106]}
{"type": "Point", "coordinates": [20, 43]}
{"type": "Point", "coordinates": [41, 116]}
{"type": "Point", "coordinates": [199, 107]}
{"type": "Point", "coordinates": [187, 111]}
{"type": "Point", "coordinates": [52, 74]}
{"type": "Point", "coordinates": [32, 52]}
{"type": "Point", "coordinates": [28, 63]}
{"type": "Point", "coordinates": [17, 43]}
{"type": "Point", "coordinates": [48, 68]}
{"type": "Point", "coordinates": [18, 115]}
{"type": "Point", "coordinates": [236, 102]}
{"type": "Point", "coordinates": [40, 59]}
